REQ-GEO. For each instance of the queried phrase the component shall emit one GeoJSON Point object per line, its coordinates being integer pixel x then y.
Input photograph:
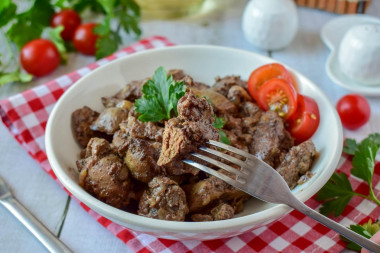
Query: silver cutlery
{"type": "Point", "coordinates": [260, 180]}
{"type": "Point", "coordinates": [49, 240]}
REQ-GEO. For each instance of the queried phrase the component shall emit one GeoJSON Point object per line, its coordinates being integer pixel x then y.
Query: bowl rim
{"type": "Point", "coordinates": [131, 219]}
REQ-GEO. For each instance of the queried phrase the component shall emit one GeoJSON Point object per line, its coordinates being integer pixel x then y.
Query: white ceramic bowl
{"type": "Point", "coordinates": [203, 63]}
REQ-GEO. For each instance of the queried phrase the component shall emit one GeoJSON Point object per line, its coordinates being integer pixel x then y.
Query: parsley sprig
{"type": "Point", "coordinates": [160, 97]}
{"type": "Point", "coordinates": [17, 28]}
{"type": "Point", "coordinates": [338, 191]}
{"type": "Point", "coordinates": [367, 230]}
{"type": "Point", "coordinates": [219, 124]}
{"type": "Point", "coordinates": [126, 13]}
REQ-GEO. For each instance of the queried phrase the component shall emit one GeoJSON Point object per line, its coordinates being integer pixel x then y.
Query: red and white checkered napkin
{"type": "Point", "coordinates": [26, 114]}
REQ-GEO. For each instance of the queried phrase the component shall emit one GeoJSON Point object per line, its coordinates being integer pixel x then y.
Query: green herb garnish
{"type": "Point", "coordinates": [367, 230]}
{"type": "Point", "coordinates": [338, 191]}
{"type": "Point", "coordinates": [219, 124]}
{"type": "Point", "coordinates": [160, 97]}
{"type": "Point", "coordinates": [126, 13]}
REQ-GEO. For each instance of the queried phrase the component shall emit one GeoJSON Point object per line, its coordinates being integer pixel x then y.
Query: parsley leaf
{"type": "Point", "coordinates": [7, 11]}
{"type": "Point", "coordinates": [54, 35]}
{"type": "Point", "coordinates": [30, 23]}
{"type": "Point", "coordinates": [337, 192]}
{"type": "Point", "coordinates": [16, 76]}
{"type": "Point", "coordinates": [367, 230]}
{"type": "Point", "coordinates": [160, 97]}
{"type": "Point", "coordinates": [126, 13]}
{"type": "Point", "coordinates": [223, 138]}
{"type": "Point", "coordinates": [350, 146]}
{"type": "Point", "coordinates": [219, 124]}
{"type": "Point", "coordinates": [364, 160]}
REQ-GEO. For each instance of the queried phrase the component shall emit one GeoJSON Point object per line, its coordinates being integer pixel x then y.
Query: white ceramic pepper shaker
{"type": "Point", "coordinates": [270, 24]}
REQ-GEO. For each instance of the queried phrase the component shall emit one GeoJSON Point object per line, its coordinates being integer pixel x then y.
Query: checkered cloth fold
{"type": "Point", "coordinates": [26, 114]}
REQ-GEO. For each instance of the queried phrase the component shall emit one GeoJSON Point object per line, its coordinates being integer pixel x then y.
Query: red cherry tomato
{"type": "Point", "coordinates": [354, 111]}
{"type": "Point", "coordinates": [266, 72]}
{"type": "Point", "coordinates": [69, 19]}
{"type": "Point", "coordinates": [305, 121]}
{"type": "Point", "coordinates": [39, 57]}
{"type": "Point", "coordinates": [279, 96]}
{"type": "Point", "coordinates": [85, 39]}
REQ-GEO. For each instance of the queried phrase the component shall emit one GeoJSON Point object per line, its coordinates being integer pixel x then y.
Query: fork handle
{"type": "Point", "coordinates": [349, 234]}
{"type": "Point", "coordinates": [50, 241]}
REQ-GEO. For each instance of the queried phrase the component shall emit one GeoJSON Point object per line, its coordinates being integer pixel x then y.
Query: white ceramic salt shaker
{"type": "Point", "coordinates": [359, 54]}
{"type": "Point", "coordinates": [270, 24]}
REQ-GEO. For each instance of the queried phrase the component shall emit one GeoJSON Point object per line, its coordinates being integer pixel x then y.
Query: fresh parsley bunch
{"type": "Point", "coordinates": [17, 28]}
{"type": "Point", "coordinates": [338, 191]}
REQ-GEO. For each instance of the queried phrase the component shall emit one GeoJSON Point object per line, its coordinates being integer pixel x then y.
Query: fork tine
{"type": "Point", "coordinates": [219, 164]}
{"type": "Point", "coordinates": [215, 173]}
{"type": "Point", "coordinates": [224, 156]}
{"type": "Point", "coordinates": [230, 148]}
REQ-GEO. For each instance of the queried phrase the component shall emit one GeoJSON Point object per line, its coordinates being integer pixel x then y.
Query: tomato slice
{"type": "Point", "coordinates": [305, 121]}
{"type": "Point", "coordinates": [279, 96]}
{"type": "Point", "coordinates": [266, 72]}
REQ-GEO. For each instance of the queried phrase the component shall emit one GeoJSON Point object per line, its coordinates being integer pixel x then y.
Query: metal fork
{"type": "Point", "coordinates": [260, 180]}
{"type": "Point", "coordinates": [48, 239]}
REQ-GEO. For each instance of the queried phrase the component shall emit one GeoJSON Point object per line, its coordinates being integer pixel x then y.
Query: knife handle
{"type": "Point", "coordinates": [49, 240]}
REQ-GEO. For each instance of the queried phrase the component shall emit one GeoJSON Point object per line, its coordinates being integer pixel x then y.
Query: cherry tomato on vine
{"type": "Point", "coordinates": [354, 111]}
{"type": "Point", "coordinates": [39, 57]}
{"type": "Point", "coordinates": [85, 39]}
{"type": "Point", "coordinates": [69, 19]}
{"type": "Point", "coordinates": [305, 121]}
{"type": "Point", "coordinates": [264, 73]}
{"type": "Point", "coordinates": [279, 96]}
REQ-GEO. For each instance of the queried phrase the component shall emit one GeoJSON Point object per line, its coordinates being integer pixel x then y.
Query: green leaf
{"type": "Point", "coordinates": [375, 138]}
{"type": "Point", "coordinates": [108, 6]}
{"type": "Point", "coordinates": [129, 17]}
{"type": "Point", "coordinates": [350, 146]}
{"type": "Point", "coordinates": [81, 5]}
{"type": "Point", "coordinates": [367, 230]}
{"type": "Point", "coordinates": [41, 12]}
{"type": "Point", "coordinates": [54, 35]}
{"type": "Point", "coordinates": [161, 95]}
{"type": "Point", "coordinates": [24, 31]}
{"type": "Point", "coordinates": [219, 122]}
{"type": "Point", "coordinates": [4, 4]}
{"type": "Point", "coordinates": [30, 23]}
{"type": "Point", "coordinates": [151, 109]}
{"type": "Point", "coordinates": [15, 76]}
{"type": "Point", "coordinates": [106, 45]}
{"type": "Point", "coordinates": [103, 28]}
{"type": "Point", "coordinates": [7, 12]}
{"type": "Point", "coordinates": [364, 160]}
{"type": "Point", "coordinates": [223, 138]}
{"type": "Point", "coordinates": [336, 193]}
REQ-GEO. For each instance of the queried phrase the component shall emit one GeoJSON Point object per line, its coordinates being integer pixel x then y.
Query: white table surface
{"type": "Point", "coordinates": [63, 216]}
